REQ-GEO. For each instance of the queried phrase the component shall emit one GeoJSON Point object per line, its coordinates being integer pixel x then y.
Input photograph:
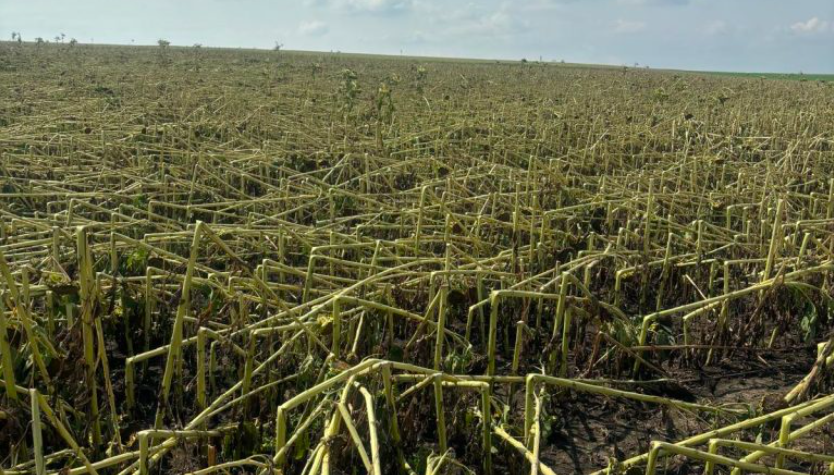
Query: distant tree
{"type": "Point", "coordinates": [14, 36]}
{"type": "Point", "coordinates": [39, 41]}
{"type": "Point", "coordinates": [278, 46]}
{"type": "Point", "coordinates": [163, 44]}
{"type": "Point", "coordinates": [73, 42]}
{"type": "Point", "coordinates": [523, 60]}
{"type": "Point", "coordinates": [62, 37]}
{"type": "Point", "coordinates": [57, 38]}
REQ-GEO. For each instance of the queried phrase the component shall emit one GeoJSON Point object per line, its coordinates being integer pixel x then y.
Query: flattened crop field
{"type": "Point", "coordinates": [275, 262]}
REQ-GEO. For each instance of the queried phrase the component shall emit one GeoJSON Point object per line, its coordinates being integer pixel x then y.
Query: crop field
{"type": "Point", "coordinates": [273, 262]}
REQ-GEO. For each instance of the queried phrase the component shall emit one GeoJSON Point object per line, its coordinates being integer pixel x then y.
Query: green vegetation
{"type": "Point", "coordinates": [237, 261]}
{"type": "Point", "coordinates": [781, 76]}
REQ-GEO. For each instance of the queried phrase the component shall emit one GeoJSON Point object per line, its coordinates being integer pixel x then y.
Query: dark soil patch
{"type": "Point", "coordinates": [581, 432]}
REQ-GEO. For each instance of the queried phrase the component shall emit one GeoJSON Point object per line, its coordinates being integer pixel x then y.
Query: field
{"type": "Point", "coordinates": [240, 261]}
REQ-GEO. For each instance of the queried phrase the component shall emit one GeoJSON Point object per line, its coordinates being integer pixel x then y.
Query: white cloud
{"type": "Point", "coordinates": [814, 25]}
{"type": "Point", "coordinates": [470, 22]}
{"type": "Point", "coordinates": [641, 3]}
{"type": "Point", "coordinates": [626, 26]}
{"type": "Point", "coordinates": [378, 5]}
{"type": "Point", "coordinates": [371, 6]}
{"type": "Point", "coordinates": [717, 27]}
{"type": "Point", "coordinates": [550, 4]}
{"type": "Point", "coordinates": [313, 28]}
{"type": "Point", "coordinates": [496, 23]}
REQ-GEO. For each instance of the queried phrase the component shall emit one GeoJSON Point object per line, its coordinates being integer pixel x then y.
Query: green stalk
{"type": "Point", "coordinates": [441, 417]}
{"type": "Point", "coordinates": [177, 333]}
{"type": "Point", "coordinates": [6, 352]}
{"type": "Point", "coordinates": [88, 301]}
{"type": "Point", "coordinates": [337, 329]}
{"type": "Point", "coordinates": [37, 437]}
{"type": "Point", "coordinates": [775, 239]}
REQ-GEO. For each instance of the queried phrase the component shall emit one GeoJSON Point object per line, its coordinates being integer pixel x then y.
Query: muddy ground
{"type": "Point", "coordinates": [583, 431]}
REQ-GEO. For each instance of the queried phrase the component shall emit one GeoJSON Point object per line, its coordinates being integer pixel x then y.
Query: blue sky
{"type": "Point", "coordinates": [734, 35]}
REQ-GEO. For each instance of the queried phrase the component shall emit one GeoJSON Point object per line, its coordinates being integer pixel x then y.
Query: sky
{"type": "Point", "coordinates": [725, 35]}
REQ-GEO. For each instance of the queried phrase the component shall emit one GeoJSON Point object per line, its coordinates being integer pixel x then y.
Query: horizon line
{"type": "Point", "coordinates": [444, 58]}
